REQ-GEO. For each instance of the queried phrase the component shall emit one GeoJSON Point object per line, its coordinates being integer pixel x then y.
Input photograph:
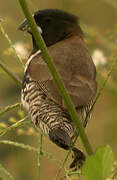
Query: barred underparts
{"type": "Point", "coordinates": [49, 116]}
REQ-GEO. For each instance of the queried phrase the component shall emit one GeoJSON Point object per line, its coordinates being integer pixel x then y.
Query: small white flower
{"type": "Point", "coordinates": [98, 58]}
{"type": "Point", "coordinates": [21, 50]}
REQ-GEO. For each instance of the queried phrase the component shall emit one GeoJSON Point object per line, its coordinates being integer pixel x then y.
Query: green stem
{"type": "Point", "coordinates": [103, 86]}
{"type": "Point", "coordinates": [11, 74]}
{"type": "Point", "coordinates": [108, 86]}
{"type": "Point", "coordinates": [15, 125]}
{"type": "Point", "coordinates": [10, 43]}
{"type": "Point", "coordinates": [56, 77]}
{"type": "Point", "coordinates": [6, 173]}
{"type": "Point", "coordinates": [8, 108]}
{"type": "Point", "coordinates": [21, 145]}
{"type": "Point", "coordinates": [30, 148]}
{"type": "Point", "coordinates": [39, 154]}
{"type": "Point", "coordinates": [65, 160]}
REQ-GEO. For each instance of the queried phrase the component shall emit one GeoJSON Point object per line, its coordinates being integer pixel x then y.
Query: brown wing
{"type": "Point", "coordinates": [75, 66]}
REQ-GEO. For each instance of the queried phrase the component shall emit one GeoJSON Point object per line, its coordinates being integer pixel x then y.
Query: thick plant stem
{"type": "Point", "coordinates": [56, 77]}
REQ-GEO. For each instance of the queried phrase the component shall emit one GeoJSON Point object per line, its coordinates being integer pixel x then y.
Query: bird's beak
{"type": "Point", "coordinates": [24, 26]}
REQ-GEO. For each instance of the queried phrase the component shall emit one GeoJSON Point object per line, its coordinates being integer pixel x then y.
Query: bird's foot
{"type": "Point", "coordinates": [78, 159]}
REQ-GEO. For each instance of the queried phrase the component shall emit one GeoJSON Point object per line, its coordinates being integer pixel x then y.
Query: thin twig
{"type": "Point", "coordinates": [9, 108]}
{"type": "Point", "coordinates": [68, 174]}
{"type": "Point", "coordinates": [21, 145]}
{"type": "Point", "coordinates": [6, 172]}
{"type": "Point", "coordinates": [39, 154]}
{"type": "Point", "coordinates": [11, 74]}
{"type": "Point", "coordinates": [103, 86]}
{"type": "Point", "coordinates": [30, 148]}
{"type": "Point", "coordinates": [11, 44]}
{"type": "Point", "coordinates": [73, 173]}
{"type": "Point", "coordinates": [56, 78]}
{"type": "Point", "coordinates": [108, 85]}
{"type": "Point", "coordinates": [15, 125]}
{"type": "Point", "coordinates": [65, 160]}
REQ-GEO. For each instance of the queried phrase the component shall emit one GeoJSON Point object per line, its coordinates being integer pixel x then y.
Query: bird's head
{"type": "Point", "coordinates": [54, 25]}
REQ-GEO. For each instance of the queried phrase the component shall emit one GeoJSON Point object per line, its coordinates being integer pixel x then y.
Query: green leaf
{"type": "Point", "coordinates": [98, 166]}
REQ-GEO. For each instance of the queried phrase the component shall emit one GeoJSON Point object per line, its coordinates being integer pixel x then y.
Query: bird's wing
{"type": "Point", "coordinates": [76, 68]}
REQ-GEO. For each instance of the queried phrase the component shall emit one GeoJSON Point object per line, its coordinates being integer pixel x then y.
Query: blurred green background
{"type": "Point", "coordinates": [99, 23]}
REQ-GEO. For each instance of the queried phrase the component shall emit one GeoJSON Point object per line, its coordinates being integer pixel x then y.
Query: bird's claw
{"type": "Point", "coordinates": [78, 159]}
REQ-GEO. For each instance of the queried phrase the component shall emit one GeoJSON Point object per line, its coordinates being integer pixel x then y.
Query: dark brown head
{"type": "Point", "coordinates": [54, 25]}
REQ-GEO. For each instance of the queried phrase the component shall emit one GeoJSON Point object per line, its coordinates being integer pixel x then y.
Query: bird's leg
{"type": "Point", "coordinates": [78, 159]}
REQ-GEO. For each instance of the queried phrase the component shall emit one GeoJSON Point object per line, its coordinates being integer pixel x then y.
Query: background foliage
{"type": "Point", "coordinates": [98, 20]}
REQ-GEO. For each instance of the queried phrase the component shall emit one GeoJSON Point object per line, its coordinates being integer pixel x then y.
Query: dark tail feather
{"type": "Point", "coordinates": [60, 138]}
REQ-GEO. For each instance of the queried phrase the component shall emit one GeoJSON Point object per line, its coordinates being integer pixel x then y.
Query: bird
{"type": "Point", "coordinates": [64, 39]}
